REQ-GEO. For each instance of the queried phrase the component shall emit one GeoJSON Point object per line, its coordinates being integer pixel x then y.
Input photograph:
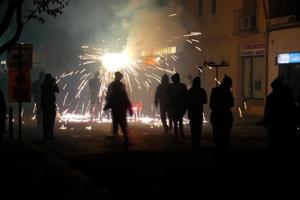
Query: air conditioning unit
{"type": "Point", "coordinates": [247, 23]}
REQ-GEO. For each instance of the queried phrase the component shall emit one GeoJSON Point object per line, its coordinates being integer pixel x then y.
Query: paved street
{"type": "Point", "coordinates": [158, 165]}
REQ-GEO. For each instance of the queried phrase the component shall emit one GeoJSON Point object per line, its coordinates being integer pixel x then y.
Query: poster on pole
{"type": "Point", "coordinates": [19, 85]}
{"type": "Point", "coordinates": [20, 54]}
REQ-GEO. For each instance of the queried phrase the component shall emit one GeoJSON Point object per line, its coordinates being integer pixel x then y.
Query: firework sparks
{"type": "Point", "coordinates": [217, 81]}
{"type": "Point", "coordinates": [138, 75]}
{"type": "Point", "coordinates": [189, 41]}
{"type": "Point", "coordinates": [116, 61]}
{"type": "Point", "coordinates": [198, 48]}
{"type": "Point", "coordinates": [173, 15]}
{"type": "Point", "coordinates": [245, 105]}
{"type": "Point", "coordinates": [240, 112]}
{"type": "Point", "coordinates": [192, 34]}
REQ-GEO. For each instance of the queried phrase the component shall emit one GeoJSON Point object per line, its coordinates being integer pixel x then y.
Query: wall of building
{"type": "Point", "coordinates": [221, 41]}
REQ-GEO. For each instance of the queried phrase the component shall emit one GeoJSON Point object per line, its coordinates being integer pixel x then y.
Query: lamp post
{"type": "Point", "coordinates": [216, 66]}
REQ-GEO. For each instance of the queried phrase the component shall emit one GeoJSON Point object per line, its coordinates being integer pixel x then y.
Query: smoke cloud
{"type": "Point", "coordinates": [151, 24]}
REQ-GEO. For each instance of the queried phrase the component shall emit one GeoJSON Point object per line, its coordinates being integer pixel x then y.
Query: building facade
{"type": "Point", "coordinates": [250, 36]}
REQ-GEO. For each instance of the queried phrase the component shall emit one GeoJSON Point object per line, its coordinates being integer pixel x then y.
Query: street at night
{"type": "Point", "coordinates": [149, 99]}
{"type": "Point", "coordinates": [85, 164]}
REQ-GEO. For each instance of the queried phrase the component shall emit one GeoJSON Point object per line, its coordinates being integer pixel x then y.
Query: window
{"type": "Point", "coordinates": [290, 74]}
{"type": "Point", "coordinates": [200, 8]}
{"type": "Point", "coordinates": [213, 7]}
{"type": "Point", "coordinates": [254, 74]}
{"type": "Point", "coordinates": [280, 8]}
{"type": "Point", "coordinates": [249, 7]}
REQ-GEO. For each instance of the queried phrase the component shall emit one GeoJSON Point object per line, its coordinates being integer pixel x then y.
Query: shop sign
{"type": "Point", "coordinates": [288, 58]}
{"type": "Point", "coordinates": [253, 49]}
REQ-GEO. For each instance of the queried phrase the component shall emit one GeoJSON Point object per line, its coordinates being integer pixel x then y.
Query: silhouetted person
{"type": "Point", "coordinates": [162, 98]}
{"type": "Point", "coordinates": [298, 114]}
{"type": "Point", "coordinates": [48, 99]}
{"type": "Point", "coordinates": [221, 102]}
{"type": "Point", "coordinates": [94, 87]}
{"type": "Point", "coordinates": [177, 92]}
{"type": "Point", "coordinates": [3, 111]}
{"type": "Point", "coordinates": [196, 97]}
{"type": "Point", "coordinates": [117, 100]}
{"type": "Point", "coordinates": [279, 116]}
{"type": "Point", "coordinates": [36, 91]}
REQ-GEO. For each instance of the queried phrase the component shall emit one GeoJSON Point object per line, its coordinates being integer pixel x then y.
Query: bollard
{"type": "Point", "coordinates": [10, 122]}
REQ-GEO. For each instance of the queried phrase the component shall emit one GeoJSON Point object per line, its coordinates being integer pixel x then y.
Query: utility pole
{"type": "Point", "coordinates": [20, 96]}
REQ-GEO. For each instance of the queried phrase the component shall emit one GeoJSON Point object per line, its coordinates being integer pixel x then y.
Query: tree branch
{"type": "Point", "coordinates": [17, 35]}
{"type": "Point", "coordinates": [11, 7]}
{"type": "Point", "coordinates": [1, 1]}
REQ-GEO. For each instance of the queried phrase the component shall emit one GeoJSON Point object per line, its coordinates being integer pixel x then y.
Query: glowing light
{"type": "Point", "coordinates": [62, 127]}
{"type": "Point", "coordinates": [204, 119]}
{"type": "Point", "coordinates": [138, 74]}
{"type": "Point", "coordinates": [116, 61]}
{"type": "Point", "coordinates": [198, 48]}
{"type": "Point", "coordinates": [240, 111]}
{"type": "Point", "coordinates": [245, 105]}
{"type": "Point", "coordinates": [192, 34]}
{"type": "Point", "coordinates": [189, 41]}
{"type": "Point", "coordinates": [217, 81]}
{"type": "Point", "coordinates": [143, 119]}
{"type": "Point", "coordinates": [173, 15]}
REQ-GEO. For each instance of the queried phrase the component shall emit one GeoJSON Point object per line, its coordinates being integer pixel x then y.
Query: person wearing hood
{"type": "Point", "coordinates": [196, 98]}
{"type": "Point", "coordinates": [221, 102]}
{"type": "Point", "coordinates": [48, 104]}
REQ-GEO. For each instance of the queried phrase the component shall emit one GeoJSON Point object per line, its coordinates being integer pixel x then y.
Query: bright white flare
{"type": "Point", "coordinates": [116, 61]}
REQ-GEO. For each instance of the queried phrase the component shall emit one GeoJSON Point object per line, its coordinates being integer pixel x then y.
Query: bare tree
{"type": "Point", "coordinates": [20, 12]}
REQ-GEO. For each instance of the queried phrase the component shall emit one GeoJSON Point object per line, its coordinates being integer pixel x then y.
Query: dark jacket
{"type": "Point", "coordinates": [3, 109]}
{"type": "Point", "coordinates": [196, 97]}
{"type": "Point", "coordinates": [161, 96]}
{"type": "Point", "coordinates": [280, 109]}
{"type": "Point", "coordinates": [177, 93]}
{"type": "Point", "coordinates": [221, 102]}
{"type": "Point", "coordinates": [117, 98]}
{"type": "Point", "coordinates": [94, 86]}
{"type": "Point", "coordinates": [48, 98]}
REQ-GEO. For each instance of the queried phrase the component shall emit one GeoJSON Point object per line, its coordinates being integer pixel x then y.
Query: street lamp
{"type": "Point", "coordinates": [216, 66]}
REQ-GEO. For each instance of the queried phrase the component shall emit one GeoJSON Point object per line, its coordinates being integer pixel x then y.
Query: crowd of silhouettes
{"type": "Point", "coordinates": [281, 114]}
{"type": "Point", "coordinates": [175, 100]}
